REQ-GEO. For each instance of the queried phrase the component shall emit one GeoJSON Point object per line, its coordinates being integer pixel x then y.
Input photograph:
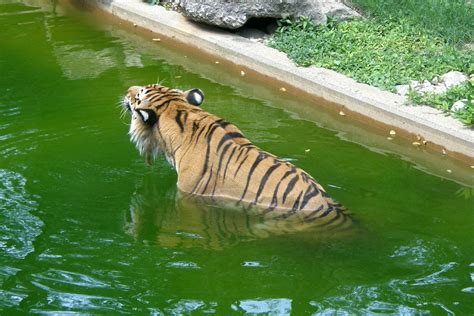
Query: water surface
{"type": "Point", "coordinates": [86, 226]}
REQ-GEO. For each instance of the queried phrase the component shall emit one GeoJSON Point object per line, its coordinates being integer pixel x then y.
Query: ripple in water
{"type": "Point", "coordinates": [274, 306]}
{"type": "Point", "coordinates": [19, 227]}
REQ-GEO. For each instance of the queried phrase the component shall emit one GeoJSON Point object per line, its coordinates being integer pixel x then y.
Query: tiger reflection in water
{"type": "Point", "coordinates": [173, 219]}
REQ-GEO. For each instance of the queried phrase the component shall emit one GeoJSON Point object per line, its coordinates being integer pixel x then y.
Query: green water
{"type": "Point", "coordinates": [86, 226]}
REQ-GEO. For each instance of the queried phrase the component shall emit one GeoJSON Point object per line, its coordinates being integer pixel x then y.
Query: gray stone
{"type": "Point", "coordinates": [402, 89]}
{"type": "Point", "coordinates": [459, 105]}
{"type": "Point", "coordinates": [453, 78]}
{"type": "Point", "coordinates": [233, 14]}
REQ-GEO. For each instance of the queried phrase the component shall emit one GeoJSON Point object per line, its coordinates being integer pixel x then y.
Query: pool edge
{"type": "Point", "coordinates": [385, 107]}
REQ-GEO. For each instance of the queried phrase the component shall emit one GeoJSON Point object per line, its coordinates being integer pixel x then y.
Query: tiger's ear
{"type": "Point", "coordinates": [147, 116]}
{"type": "Point", "coordinates": [194, 96]}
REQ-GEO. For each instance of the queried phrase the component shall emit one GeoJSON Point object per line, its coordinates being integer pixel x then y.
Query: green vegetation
{"type": "Point", "coordinates": [382, 54]}
{"type": "Point", "coordinates": [402, 40]}
{"type": "Point", "coordinates": [452, 20]}
{"type": "Point", "coordinates": [445, 101]}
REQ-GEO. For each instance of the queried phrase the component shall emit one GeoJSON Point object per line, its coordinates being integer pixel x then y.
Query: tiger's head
{"type": "Point", "coordinates": [146, 104]}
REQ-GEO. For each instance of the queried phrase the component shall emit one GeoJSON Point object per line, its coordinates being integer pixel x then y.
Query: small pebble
{"type": "Point", "coordinates": [449, 170]}
{"type": "Point", "coordinates": [389, 138]}
{"type": "Point", "coordinates": [393, 133]}
{"type": "Point", "coordinates": [307, 150]}
{"type": "Point", "coordinates": [444, 151]}
{"type": "Point", "coordinates": [242, 73]}
{"type": "Point", "coordinates": [472, 167]}
{"type": "Point", "coordinates": [341, 113]}
{"type": "Point", "coordinates": [425, 142]}
{"type": "Point", "coordinates": [416, 144]}
{"type": "Point", "coordinates": [156, 39]}
{"type": "Point", "coordinates": [282, 89]}
{"type": "Point", "coordinates": [135, 25]}
{"type": "Point", "coordinates": [217, 62]}
{"type": "Point", "coordinates": [418, 137]}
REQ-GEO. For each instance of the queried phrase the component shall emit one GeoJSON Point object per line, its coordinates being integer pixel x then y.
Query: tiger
{"type": "Point", "coordinates": [214, 159]}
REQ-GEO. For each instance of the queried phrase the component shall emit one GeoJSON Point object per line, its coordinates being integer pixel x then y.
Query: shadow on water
{"type": "Point", "coordinates": [173, 219]}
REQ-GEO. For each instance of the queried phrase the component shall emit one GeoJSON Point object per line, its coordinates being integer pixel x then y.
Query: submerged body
{"type": "Point", "coordinates": [213, 158]}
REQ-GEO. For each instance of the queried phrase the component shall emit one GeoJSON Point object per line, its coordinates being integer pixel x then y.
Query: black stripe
{"type": "Point", "coordinates": [214, 125]}
{"type": "Point", "coordinates": [305, 177]}
{"type": "Point", "coordinates": [226, 147]}
{"type": "Point", "coordinates": [240, 165]}
{"type": "Point", "coordinates": [261, 156]}
{"type": "Point", "coordinates": [166, 102]}
{"type": "Point", "coordinates": [290, 187]}
{"type": "Point", "coordinates": [185, 116]}
{"type": "Point", "coordinates": [222, 123]}
{"type": "Point", "coordinates": [157, 97]}
{"type": "Point", "coordinates": [264, 181]}
{"type": "Point", "coordinates": [247, 145]}
{"type": "Point", "coordinates": [297, 202]}
{"type": "Point", "coordinates": [228, 160]}
{"type": "Point", "coordinates": [274, 202]}
{"type": "Point", "coordinates": [208, 150]}
{"type": "Point", "coordinates": [240, 153]}
{"type": "Point", "coordinates": [176, 149]}
{"type": "Point", "coordinates": [178, 120]}
{"type": "Point", "coordinates": [311, 192]}
{"type": "Point", "coordinates": [228, 136]}
{"type": "Point", "coordinates": [199, 134]}
{"type": "Point", "coordinates": [207, 183]}
{"type": "Point", "coordinates": [195, 127]}
{"type": "Point", "coordinates": [209, 133]}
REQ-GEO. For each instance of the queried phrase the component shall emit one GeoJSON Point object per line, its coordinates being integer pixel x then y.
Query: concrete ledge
{"type": "Point", "coordinates": [382, 106]}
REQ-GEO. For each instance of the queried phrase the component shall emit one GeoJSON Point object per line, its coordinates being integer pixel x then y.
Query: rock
{"type": "Point", "coordinates": [439, 89]}
{"type": "Point", "coordinates": [233, 14]}
{"type": "Point", "coordinates": [337, 10]}
{"type": "Point", "coordinates": [402, 89]}
{"type": "Point", "coordinates": [453, 78]}
{"type": "Point", "coordinates": [459, 105]}
{"type": "Point", "coordinates": [250, 33]}
{"type": "Point", "coordinates": [413, 84]}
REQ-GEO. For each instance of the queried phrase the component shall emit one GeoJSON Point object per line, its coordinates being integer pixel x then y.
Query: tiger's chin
{"type": "Point", "coordinates": [145, 142]}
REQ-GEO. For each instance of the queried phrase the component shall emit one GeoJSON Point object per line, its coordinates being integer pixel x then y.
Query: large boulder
{"type": "Point", "coordinates": [233, 14]}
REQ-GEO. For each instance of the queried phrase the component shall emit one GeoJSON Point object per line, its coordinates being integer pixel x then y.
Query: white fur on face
{"type": "Point", "coordinates": [141, 94]}
{"type": "Point", "coordinates": [145, 115]}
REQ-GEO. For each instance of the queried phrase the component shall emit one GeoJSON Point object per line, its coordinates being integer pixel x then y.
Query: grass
{"type": "Point", "coordinates": [397, 44]}
{"type": "Point", "coordinates": [452, 20]}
